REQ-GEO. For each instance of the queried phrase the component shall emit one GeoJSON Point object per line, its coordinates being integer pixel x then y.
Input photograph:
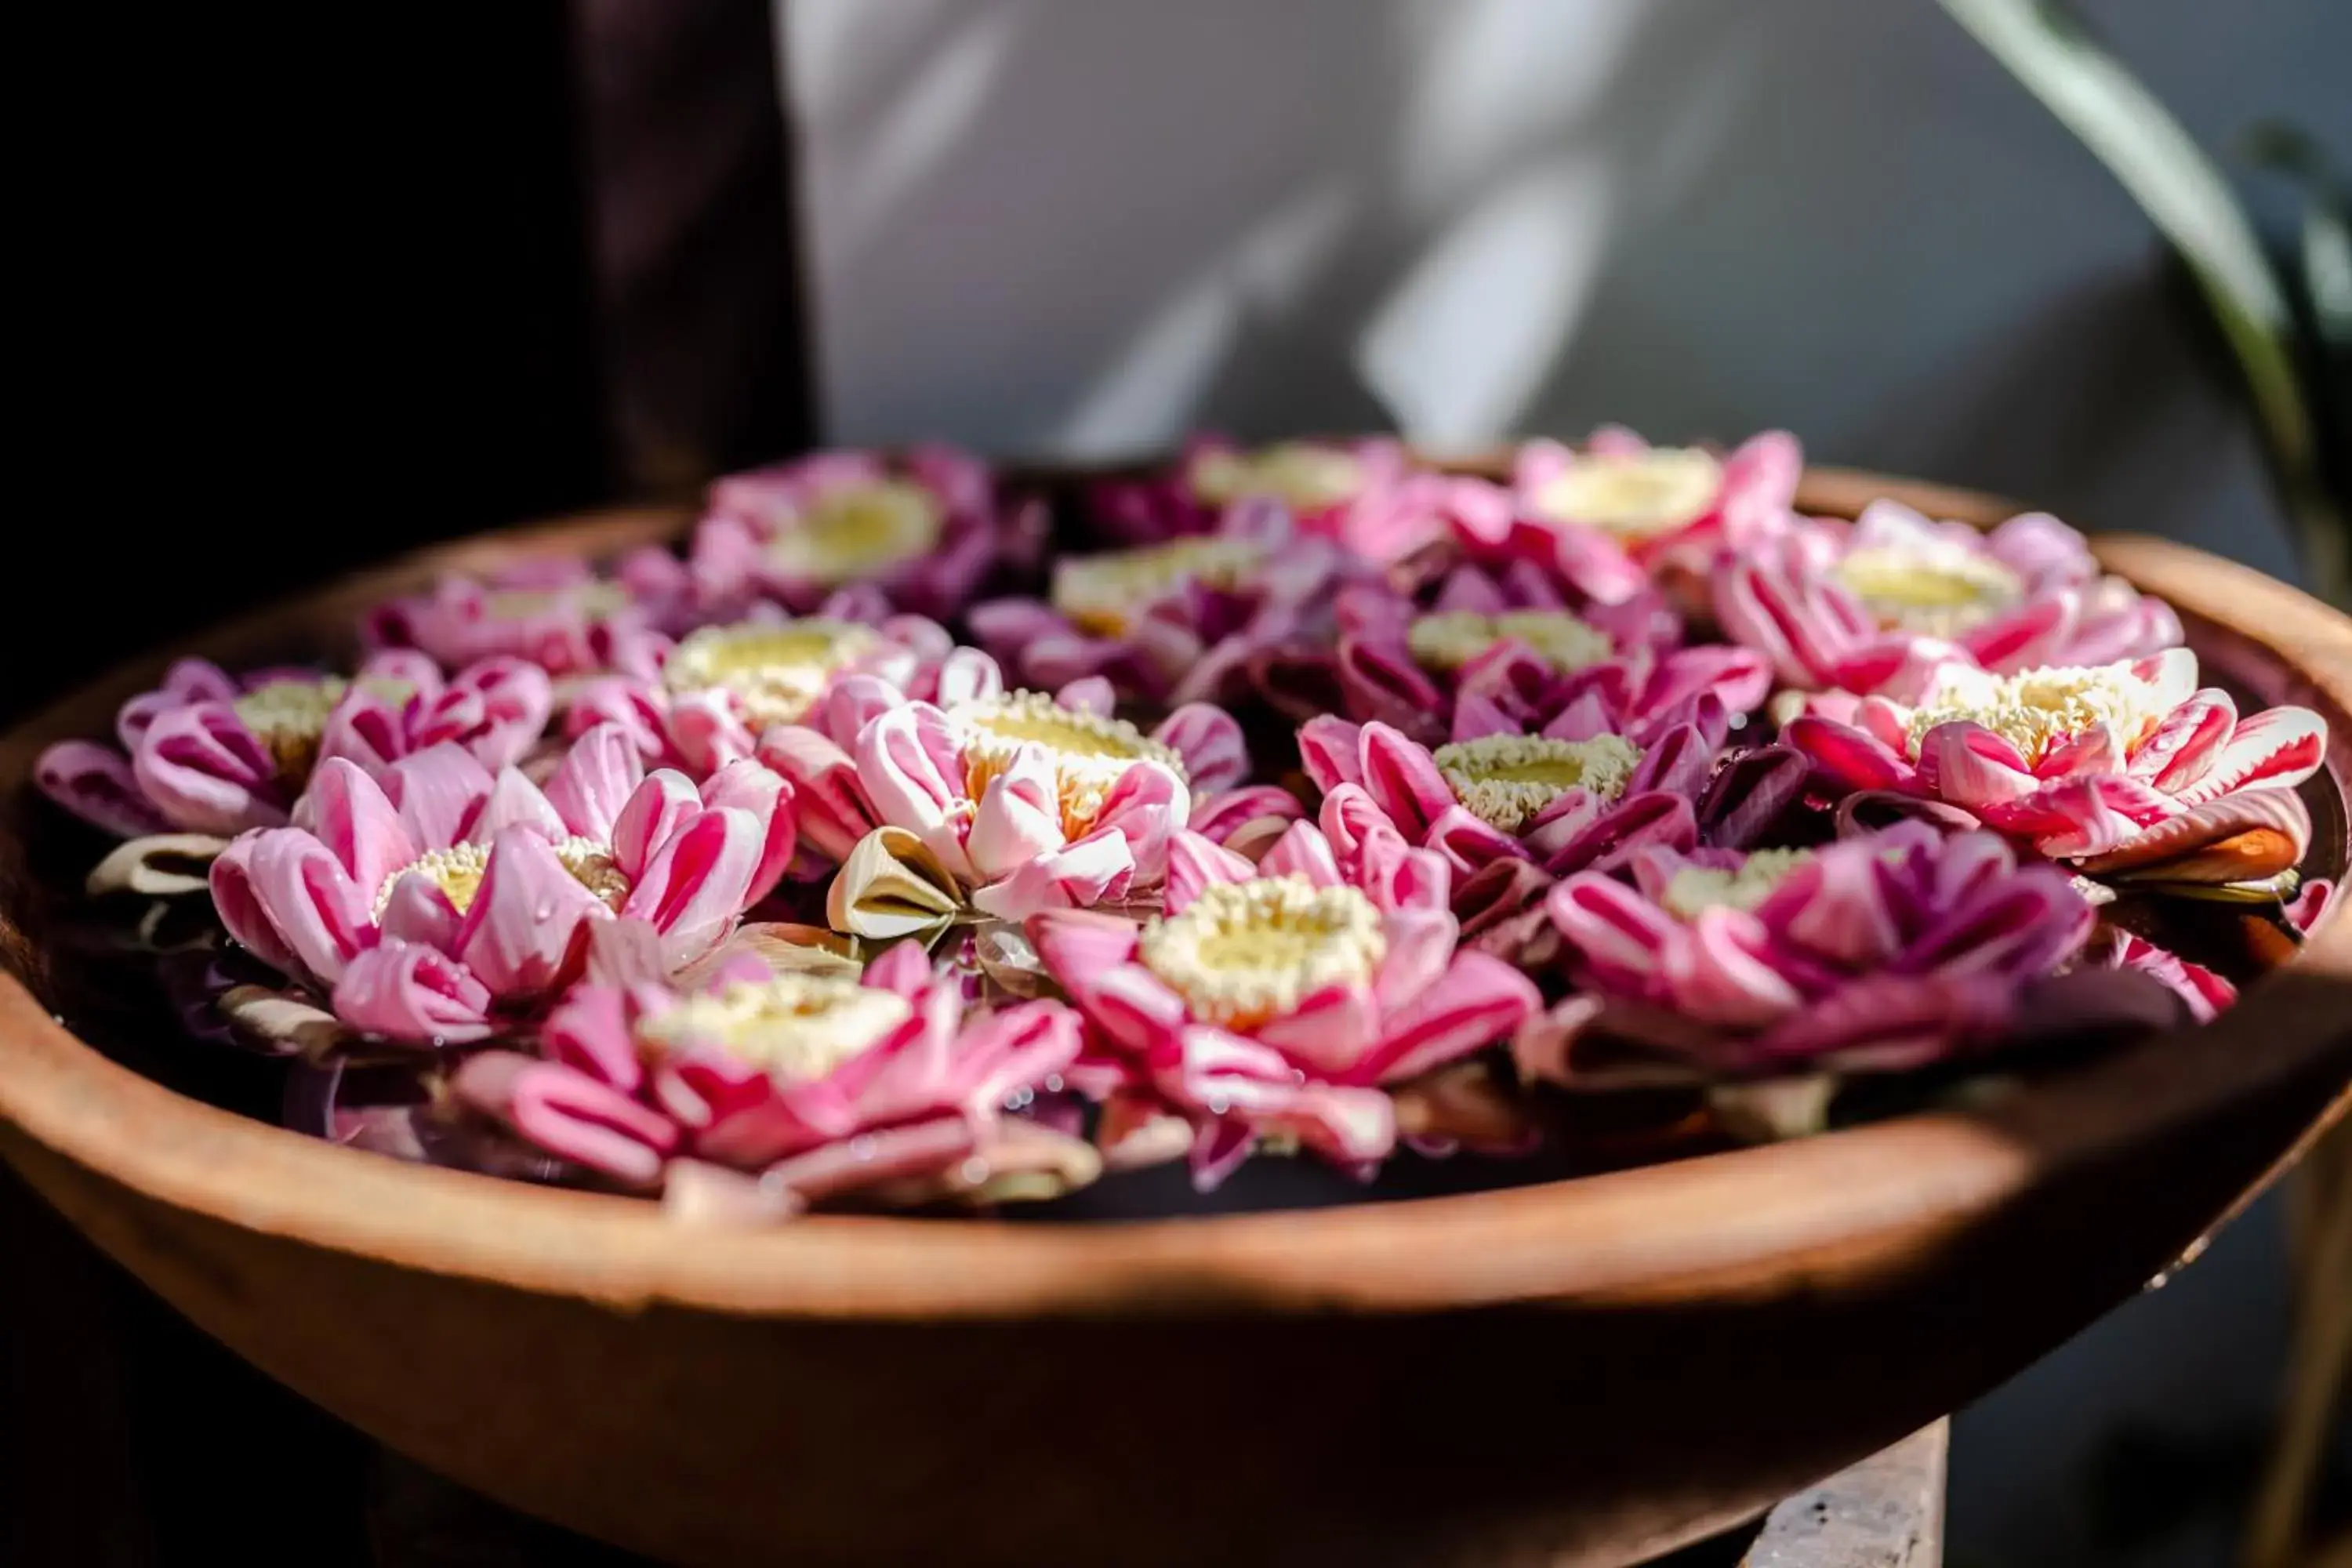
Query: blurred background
{"type": "Point", "coordinates": [316, 290]}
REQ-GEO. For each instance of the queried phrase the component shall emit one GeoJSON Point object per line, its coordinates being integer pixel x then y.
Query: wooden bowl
{"type": "Point", "coordinates": [1583, 1372]}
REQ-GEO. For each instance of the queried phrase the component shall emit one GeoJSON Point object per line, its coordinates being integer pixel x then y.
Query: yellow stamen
{"type": "Point", "coordinates": [1696, 888]}
{"type": "Point", "coordinates": [1089, 752]}
{"type": "Point", "coordinates": [1634, 495]}
{"type": "Point", "coordinates": [290, 718]}
{"type": "Point", "coordinates": [1102, 593]}
{"type": "Point", "coordinates": [457, 871]}
{"type": "Point", "coordinates": [796, 1028]}
{"type": "Point", "coordinates": [1506, 780]}
{"type": "Point", "coordinates": [593, 601]}
{"type": "Point", "coordinates": [1937, 591]}
{"type": "Point", "coordinates": [1453, 639]}
{"type": "Point", "coordinates": [1244, 953]}
{"type": "Point", "coordinates": [1301, 475]}
{"type": "Point", "coordinates": [855, 532]}
{"type": "Point", "coordinates": [774, 671]}
{"type": "Point", "coordinates": [2037, 710]}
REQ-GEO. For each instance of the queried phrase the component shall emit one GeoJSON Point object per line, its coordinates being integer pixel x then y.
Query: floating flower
{"type": "Point", "coordinates": [1367, 496]}
{"type": "Point", "coordinates": [1622, 510]}
{"type": "Point", "coordinates": [925, 530]}
{"type": "Point", "coordinates": [823, 1084]}
{"type": "Point", "coordinates": [208, 754]}
{"type": "Point", "coordinates": [2124, 769]}
{"type": "Point", "coordinates": [1876, 953]}
{"type": "Point", "coordinates": [1876, 606]}
{"type": "Point", "coordinates": [1271, 1002]}
{"type": "Point", "coordinates": [426, 903]}
{"type": "Point", "coordinates": [556, 612]}
{"type": "Point", "coordinates": [723, 686]}
{"type": "Point", "coordinates": [1171, 621]}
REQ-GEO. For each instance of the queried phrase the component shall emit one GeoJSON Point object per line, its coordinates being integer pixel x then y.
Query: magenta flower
{"type": "Point", "coordinates": [556, 612]}
{"type": "Point", "coordinates": [1367, 495]}
{"type": "Point", "coordinates": [925, 530]}
{"type": "Point", "coordinates": [427, 902]}
{"type": "Point", "coordinates": [1874, 954]}
{"type": "Point", "coordinates": [208, 752]}
{"type": "Point", "coordinates": [1879, 604]}
{"type": "Point", "coordinates": [821, 1083]}
{"type": "Point", "coordinates": [1621, 510]}
{"type": "Point", "coordinates": [722, 687]}
{"type": "Point", "coordinates": [2121, 769]}
{"type": "Point", "coordinates": [1174, 622]}
{"type": "Point", "coordinates": [1271, 1002]}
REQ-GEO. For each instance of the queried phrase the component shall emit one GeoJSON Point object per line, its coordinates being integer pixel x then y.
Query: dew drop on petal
{"type": "Point", "coordinates": [1053, 1083]}
{"type": "Point", "coordinates": [861, 1147]}
{"type": "Point", "coordinates": [975, 1170]}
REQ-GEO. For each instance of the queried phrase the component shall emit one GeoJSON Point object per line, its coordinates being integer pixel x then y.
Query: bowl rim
{"type": "Point", "coordinates": [1850, 1206]}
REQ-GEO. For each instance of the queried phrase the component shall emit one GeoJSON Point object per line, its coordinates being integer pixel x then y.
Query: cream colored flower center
{"type": "Point", "coordinates": [1505, 780]}
{"type": "Point", "coordinates": [1696, 888]}
{"type": "Point", "coordinates": [593, 601]}
{"type": "Point", "coordinates": [1937, 591]}
{"type": "Point", "coordinates": [290, 718]}
{"type": "Point", "coordinates": [1242, 953]}
{"type": "Point", "coordinates": [1453, 639]}
{"type": "Point", "coordinates": [457, 871]}
{"type": "Point", "coordinates": [855, 532]}
{"type": "Point", "coordinates": [1102, 593]}
{"type": "Point", "coordinates": [2038, 708]}
{"type": "Point", "coordinates": [1634, 496]}
{"type": "Point", "coordinates": [796, 1028]}
{"type": "Point", "coordinates": [774, 671]}
{"type": "Point", "coordinates": [1089, 752]}
{"type": "Point", "coordinates": [1301, 475]}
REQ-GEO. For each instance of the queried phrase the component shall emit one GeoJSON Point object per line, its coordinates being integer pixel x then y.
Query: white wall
{"type": "Point", "coordinates": [1081, 226]}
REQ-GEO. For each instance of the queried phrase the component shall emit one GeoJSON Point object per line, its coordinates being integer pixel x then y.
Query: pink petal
{"type": "Point", "coordinates": [1019, 818]}
{"type": "Point", "coordinates": [658, 809]}
{"type": "Point", "coordinates": [1328, 748]}
{"type": "Point", "coordinates": [1302, 851]}
{"type": "Point", "coordinates": [318, 916]}
{"type": "Point", "coordinates": [1849, 757]}
{"type": "Point", "coordinates": [698, 884]}
{"type": "Point", "coordinates": [522, 933]}
{"type": "Point", "coordinates": [756, 790]}
{"type": "Point", "coordinates": [399, 991]}
{"type": "Point", "coordinates": [96, 785]}
{"type": "Point", "coordinates": [2277, 748]}
{"type": "Point", "coordinates": [204, 770]}
{"type": "Point", "coordinates": [1968, 764]}
{"type": "Point", "coordinates": [438, 791]}
{"type": "Point", "coordinates": [569, 1115]}
{"type": "Point", "coordinates": [599, 773]}
{"type": "Point", "coordinates": [1195, 862]}
{"type": "Point", "coordinates": [900, 775]}
{"type": "Point", "coordinates": [1209, 739]}
{"type": "Point", "coordinates": [1079, 873]}
{"type": "Point", "coordinates": [1478, 1001]}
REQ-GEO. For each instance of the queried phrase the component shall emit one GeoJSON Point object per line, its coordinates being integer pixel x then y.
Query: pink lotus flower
{"type": "Point", "coordinates": [424, 904]}
{"type": "Point", "coordinates": [723, 686]}
{"type": "Point", "coordinates": [1000, 802]}
{"type": "Point", "coordinates": [1622, 511]}
{"type": "Point", "coordinates": [1367, 496]}
{"type": "Point", "coordinates": [1175, 622]}
{"type": "Point", "coordinates": [1877, 606]}
{"type": "Point", "coordinates": [1876, 953]}
{"type": "Point", "coordinates": [823, 1083]}
{"type": "Point", "coordinates": [925, 530]}
{"type": "Point", "coordinates": [208, 752]}
{"type": "Point", "coordinates": [1273, 1000]}
{"type": "Point", "coordinates": [556, 612]}
{"type": "Point", "coordinates": [2124, 769]}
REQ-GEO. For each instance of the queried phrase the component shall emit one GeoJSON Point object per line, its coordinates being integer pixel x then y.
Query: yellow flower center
{"type": "Point", "coordinates": [1301, 475]}
{"type": "Point", "coordinates": [1696, 888]}
{"type": "Point", "coordinates": [855, 532]}
{"type": "Point", "coordinates": [1242, 953]}
{"type": "Point", "coordinates": [1937, 590]}
{"type": "Point", "coordinates": [2039, 708]}
{"type": "Point", "coordinates": [1101, 594]}
{"type": "Point", "coordinates": [288, 718]}
{"type": "Point", "coordinates": [1089, 752]}
{"type": "Point", "coordinates": [796, 1028]}
{"type": "Point", "coordinates": [459, 869]}
{"type": "Point", "coordinates": [1453, 639]}
{"type": "Point", "coordinates": [774, 671]}
{"type": "Point", "coordinates": [1634, 496]}
{"type": "Point", "coordinates": [1505, 780]}
{"type": "Point", "coordinates": [595, 601]}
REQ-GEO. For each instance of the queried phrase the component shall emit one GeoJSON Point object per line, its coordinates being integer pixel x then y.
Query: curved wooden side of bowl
{"type": "Point", "coordinates": [1584, 1373]}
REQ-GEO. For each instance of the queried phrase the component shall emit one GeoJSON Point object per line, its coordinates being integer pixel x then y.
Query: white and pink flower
{"type": "Point", "coordinates": [429, 905]}
{"type": "Point", "coordinates": [2126, 769]}
{"type": "Point", "coordinates": [926, 528]}
{"type": "Point", "coordinates": [1879, 604]}
{"type": "Point", "coordinates": [1876, 953]}
{"type": "Point", "coordinates": [1272, 1002]}
{"type": "Point", "coordinates": [822, 1084]}
{"type": "Point", "coordinates": [209, 752]}
{"type": "Point", "coordinates": [557, 612]}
